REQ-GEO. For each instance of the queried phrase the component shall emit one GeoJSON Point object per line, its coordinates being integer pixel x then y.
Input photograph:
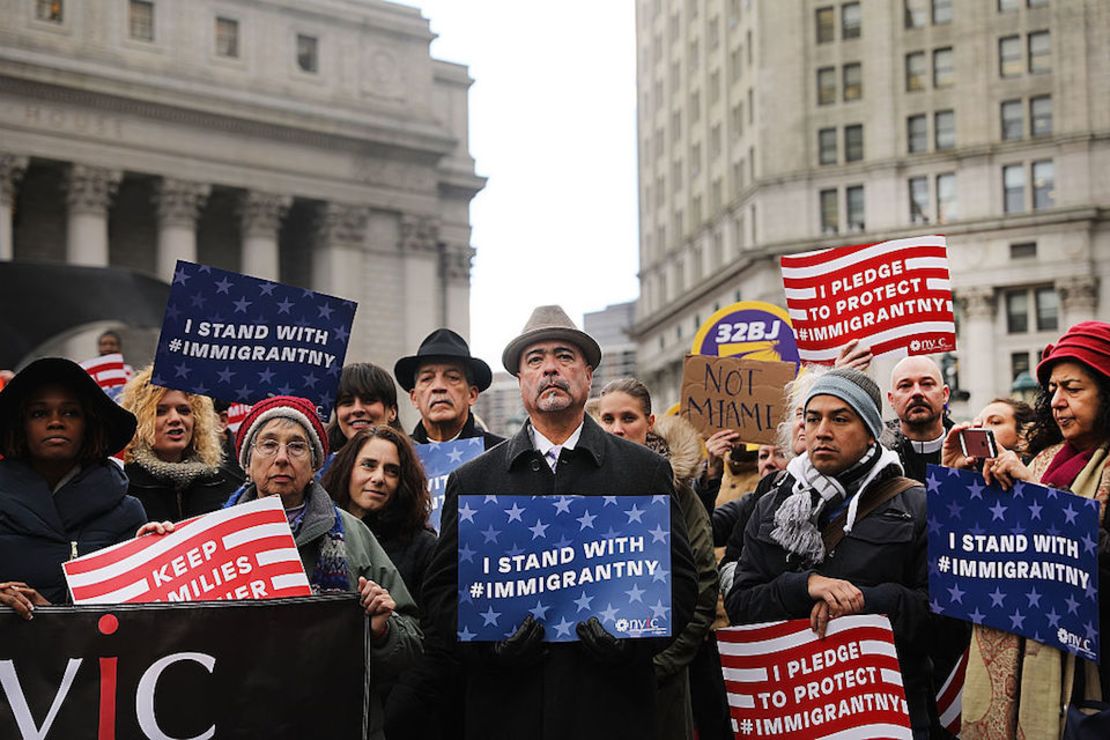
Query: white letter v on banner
{"type": "Point", "coordinates": [22, 713]}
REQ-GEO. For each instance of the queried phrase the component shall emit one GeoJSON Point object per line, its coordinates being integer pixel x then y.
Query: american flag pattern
{"type": "Point", "coordinates": [242, 552]}
{"type": "Point", "coordinates": [783, 682]}
{"type": "Point", "coordinates": [893, 296]}
{"type": "Point", "coordinates": [109, 371]}
{"type": "Point", "coordinates": [439, 460]}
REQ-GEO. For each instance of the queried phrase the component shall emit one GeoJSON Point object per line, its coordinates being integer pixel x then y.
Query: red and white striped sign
{"type": "Point", "coordinates": [235, 415]}
{"type": "Point", "coordinates": [950, 697]}
{"type": "Point", "coordinates": [108, 371]}
{"type": "Point", "coordinates": [894, 297]}
{"type": "Point", "coordinates": [783, 682]}
{"type": "Point", "coordinates": [242, 552]}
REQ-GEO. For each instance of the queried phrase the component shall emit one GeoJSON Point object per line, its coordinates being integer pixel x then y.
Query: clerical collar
{"type": "Point", "coordinates": [543, 444]}
{"type": "Point", "coordinates": [928, 446]}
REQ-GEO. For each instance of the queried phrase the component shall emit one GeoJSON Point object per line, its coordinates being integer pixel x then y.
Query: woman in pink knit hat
{"type": "Point", "coordinates": [1017, 687]}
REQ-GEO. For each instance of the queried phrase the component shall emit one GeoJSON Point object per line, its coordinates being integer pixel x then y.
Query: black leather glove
{"type": "Point", "coordinates": [602, 646]}
{"type": "Point", "coordinates": [523, 647]}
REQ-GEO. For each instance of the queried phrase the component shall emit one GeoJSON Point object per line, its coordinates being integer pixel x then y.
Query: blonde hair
{"type": "Point", "coordinates": [794, 395]}
{"type": "Point", "coordinates": [141, 398]}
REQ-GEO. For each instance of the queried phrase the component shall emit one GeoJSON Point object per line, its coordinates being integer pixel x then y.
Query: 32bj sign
{"type": "Point", "coordinates": [285, 668]}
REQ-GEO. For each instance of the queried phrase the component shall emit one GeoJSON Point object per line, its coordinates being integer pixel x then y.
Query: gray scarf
{"type": "Point", "coordinates": [179, 475]}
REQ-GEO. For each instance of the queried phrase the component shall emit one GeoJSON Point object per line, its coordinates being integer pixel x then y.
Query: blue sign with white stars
{"type": "Point", "coordinates": [564, 559]}
{"type": "Point", "coordinates": [1023, 561]}
{"type": "Point", "coordinates": [241, 339]}
{"type": "Point", "coordinates": [440, 460]}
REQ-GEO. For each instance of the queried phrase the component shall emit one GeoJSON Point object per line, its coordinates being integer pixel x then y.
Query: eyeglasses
{"type": "Point", "coordinates": [269, 448]}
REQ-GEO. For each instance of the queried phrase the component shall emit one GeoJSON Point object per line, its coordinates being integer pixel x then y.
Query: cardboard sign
{"type": "Point", "coordinates": [783, 682]}
{"type": "Point", "coordinates": [239, 338]}
{"type": "Point", "coordinates": [236, 669]}
{"type": "Point", "coordinates": [242, 552]}
{"type": "Point", "coordinates": [745, 396]}
{"type": "Point", "coordinates": [894, 297]}
{"type": "Point", "coordinates": [1023, 561]}
{"type": "Point", "coordinates": [440, 460]}
{"type": "Point", "coordinates": [564, 559]}
{"type": "Point", "coordinates": [752, 330]}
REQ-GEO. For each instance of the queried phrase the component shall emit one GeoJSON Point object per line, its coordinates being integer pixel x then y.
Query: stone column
{"type": "Point", "coordinates": [89, 192]}
{"type": "Point", "coordinates": [456, 278]}
{"type": "Point", "coordinates": [424, 299]}
{"type": "Point", "coordinates": [261, 215]}
{"type": "Point", "coordinates": [11, 170]}
{"type": "Point", "coordinates": [977, 369]}
{"type": "Point", "coordinates": [337, 264]}
{"type": "Point", "coordinates": [178, 203]}
{"type": "Point", "coordinates": [1078, 299]}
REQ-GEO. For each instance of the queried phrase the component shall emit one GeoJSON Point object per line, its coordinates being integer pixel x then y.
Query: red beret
{"type": "Point", "coordinates": [1088, 342]}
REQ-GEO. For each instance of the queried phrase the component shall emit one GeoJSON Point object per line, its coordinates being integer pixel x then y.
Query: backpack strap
{"type": "Point", "coordinates": [872, 499]}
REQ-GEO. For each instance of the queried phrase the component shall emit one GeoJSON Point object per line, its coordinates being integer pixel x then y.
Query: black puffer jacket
{"type": "Point", "coordinates": [40, 530]}
{"type": "Point", "coordinates": [163, 502]}
{"type": "Point", "coordinates": [884, 556]}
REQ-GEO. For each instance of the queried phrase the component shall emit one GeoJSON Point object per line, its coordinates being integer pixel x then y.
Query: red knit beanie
{"type": "Point", "coordinates": [1088, 342]}
{"type": "Point", "coordinates": [296, 409]}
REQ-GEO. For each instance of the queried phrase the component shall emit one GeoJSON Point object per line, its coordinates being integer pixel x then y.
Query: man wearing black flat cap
{"type": "Point", "coordinates": [443, 382]}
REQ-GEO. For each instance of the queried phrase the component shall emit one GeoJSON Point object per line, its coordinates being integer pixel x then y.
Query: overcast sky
{"type": "Point", "coordinates": [553, 127]}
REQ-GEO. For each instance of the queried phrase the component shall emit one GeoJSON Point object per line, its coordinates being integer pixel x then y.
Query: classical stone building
{"type": "Point", "coordinates": [313, 142]}
{"type": "Point", "coordinates": [768, 128]}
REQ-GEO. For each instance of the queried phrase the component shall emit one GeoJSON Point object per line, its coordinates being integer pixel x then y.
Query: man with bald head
{"type": "Point", "coordinates": [919, 398]}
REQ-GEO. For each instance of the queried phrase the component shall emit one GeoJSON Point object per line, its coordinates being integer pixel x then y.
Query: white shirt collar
{"type": "Point", "coordinates": [543, 444]}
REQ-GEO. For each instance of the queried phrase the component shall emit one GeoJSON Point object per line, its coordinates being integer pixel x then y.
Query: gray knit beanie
{"type": "Point", "coordinates": [855, 389]}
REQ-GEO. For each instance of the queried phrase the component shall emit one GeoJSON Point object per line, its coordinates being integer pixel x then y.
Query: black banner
{"type": "Point", "coordinates": [286, 668]}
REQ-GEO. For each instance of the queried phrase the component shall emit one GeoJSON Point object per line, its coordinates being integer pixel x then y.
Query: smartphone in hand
{"type": "Point", "coordinates": [978, 443]}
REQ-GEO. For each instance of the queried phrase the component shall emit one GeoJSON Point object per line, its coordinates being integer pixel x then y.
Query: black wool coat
{"type": "Point", "coordinates": [163, 502]}
{"type": "Point", "coordinates": [567, 694]}
{"type": "Point", "coordinates": [469, 430]}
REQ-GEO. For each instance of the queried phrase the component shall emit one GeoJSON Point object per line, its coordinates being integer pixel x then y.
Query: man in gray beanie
{"type": "Point", "coordinates": [843, 533]}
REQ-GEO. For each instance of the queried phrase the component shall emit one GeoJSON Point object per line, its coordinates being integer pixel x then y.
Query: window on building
{"type": "Point", "coordinates": [1013, 120]}
{"type": "Point", "coordinates": [695, 160]}
{"type": "Point", "coordinates": [1040, 115]}
{"type": "Point", "coordinates": [944, 129]}
{"type": "Point", "coordinates": [853, 143]}
{"type": "Point", "coordinates": [140, 18]}
{"type": "Point", "coordinates": [1037, 3]}
{"type": "Point", "coordinates": [715, 195]}
{"type": "Point", "coordinates": [917, 134]}
{"type": "Point", "coordinates": [826, 85]}
{"type": "Point", "coordinates": [1013, 188]}
{"type": "Point", "coordinates": [737, 120]}
{"type": "Point", "coordinates": [695, 106]}
{"type": "Point", "coordinates": [853, 81]}
{"type": "Point", "coordinates": [676, 125]}
{"type": "Point", "coordinates": [919, 200]}
{"type": "Point", "coordinates": [715, 141]}
{"type": "Point", "coordinates": [942, 12]}
{"type": "Point", "coordinates": [735, 66]}
{"type": "Point", "coordinates": [1048, 309]}
{"type": "Point", "coordinates": [714, 33]}
{"type": "Point", "coordinates": [1023, 251]}
{"type": "Point", "coordinates": [1010, 62]}
{"type": "Point", "coordinates": [227, 37]}
{"type": "Point", "coordinates": [714, 87]}
{"type": "Point", "coordinates": [696, 215]}
{"type": "Point", "coordinates": [1006, 5]}
{"type": "Point", "coordinates": [1017, 311]}
{"type": "Point", "coordinates": [830, 212]}
{"type": "Point", "coordinates": [826, 146]}
{"type": "Point", "coordinates": [946, 198]}
{"type": "Point", "coordinates": [853, 197]}
{"type": "Point", "coordinates": [916, 74]}
{"type": "Point", "coordinates": [660, 195]}
{"type": "Point", "coordinates": [658, 89]}
{"type": "Point", "coordinates": [676, 175]}
{"type": "Point", "coordinates": [851, 21]}
{"type": "Point", "coordinates": [944, 73]}
{"type": "Point", "coordinates": [1040, 52]}
{"type": "Point", "coordinates": [916, 13]}
{"type": "Point", "coordinates": [826, 25]}
{"type": "Point", "coordinates": [693, 57]}
{"type": "Point", "coordinates": [1044, 184]}
{"type": "Point", "coordinates": [307, 53]}
{"type": "Point", "coordinates": [751, 105]}
{"type": "Point", "coordinates": [660, 143]}
{"type": "Point", "coordinates": [52, 11]}
{"type": "Point", "coordinates": [1019, 363]}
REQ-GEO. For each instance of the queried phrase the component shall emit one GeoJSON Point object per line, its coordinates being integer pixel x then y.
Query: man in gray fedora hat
{"type": "Point", "coordinates": [443, 382]}
{"type": "Point", "coordinates": [600, 686]}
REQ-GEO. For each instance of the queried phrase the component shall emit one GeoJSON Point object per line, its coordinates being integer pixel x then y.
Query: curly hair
{"type": "Point", "coordinates": [1045, 432]}
{"type": "Point", "coordinates": [408, 509]}
{"type": "Point", "coordinates": [141, 398]}
{"type": "Point", "coordinates": [369, 383]}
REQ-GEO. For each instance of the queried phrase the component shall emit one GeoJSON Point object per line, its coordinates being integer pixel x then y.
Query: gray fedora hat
{"type": "Point", "coordinates": [547, 323]}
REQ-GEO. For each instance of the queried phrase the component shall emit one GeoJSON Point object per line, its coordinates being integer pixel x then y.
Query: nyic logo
{"type": "Point", "coordinates": [1072, 640]}
{"type": "Point", "coordinates": [631, 626]}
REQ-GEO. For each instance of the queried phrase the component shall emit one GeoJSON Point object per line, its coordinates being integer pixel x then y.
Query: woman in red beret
{"type": "Point", "coordinates": [1017, 687]}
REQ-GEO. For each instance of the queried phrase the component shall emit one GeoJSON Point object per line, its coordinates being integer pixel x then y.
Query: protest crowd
{"type": "Point", "coordinates": [828, 522]}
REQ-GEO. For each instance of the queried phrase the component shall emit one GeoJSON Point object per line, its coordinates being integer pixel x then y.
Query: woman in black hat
{"type": "Point", "coordinates": [60, 495]}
